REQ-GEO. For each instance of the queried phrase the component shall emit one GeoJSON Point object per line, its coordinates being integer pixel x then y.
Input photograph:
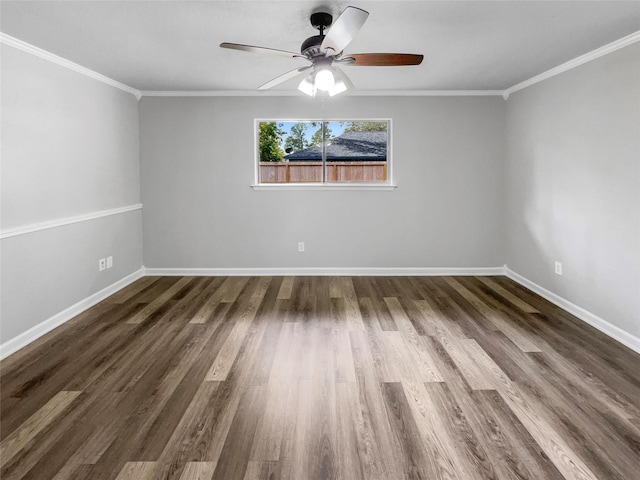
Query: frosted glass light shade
{"type": "Point", "coordinates": [338, 87]}
{"type": "Point", "coordinates": [307, 86]}
{"type": "Point", "coordinates": [324, 80]}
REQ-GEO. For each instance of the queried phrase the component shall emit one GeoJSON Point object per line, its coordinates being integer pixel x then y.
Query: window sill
{"type": "Point", "coordinates": [324, 186]}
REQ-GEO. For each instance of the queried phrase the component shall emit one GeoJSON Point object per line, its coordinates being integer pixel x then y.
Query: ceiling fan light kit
{"type": "Point", "coordinates": [325, 52]}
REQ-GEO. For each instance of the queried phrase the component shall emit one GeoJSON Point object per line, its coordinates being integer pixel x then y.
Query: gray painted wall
{"type": "Point", "coordinates": [197, 160]}
{"type": "Point", "coordinates": [69, 147]}
{"type": "Point", "coordinates": [563, 156]}
{"type": "Point", "coordinates": [573, 186]}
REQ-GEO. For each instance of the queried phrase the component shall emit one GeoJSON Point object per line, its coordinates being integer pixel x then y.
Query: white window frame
{"type": "Point", "coordinates": [389, 184]}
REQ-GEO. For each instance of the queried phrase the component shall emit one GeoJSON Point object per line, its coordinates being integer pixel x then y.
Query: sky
{"type": "Point", "coordinates": [336, 129]}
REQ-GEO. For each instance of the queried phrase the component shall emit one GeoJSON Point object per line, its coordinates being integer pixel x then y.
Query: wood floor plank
{"type": "Point", "coordinates": [286, 288]}
{"type": "Point", "coordinates": [456, 426]}
{"type": "Point", "coordinates": [417, 356]}
{"type": "Point", "coordinates": [35, 424]}
{"type": "Point", "coordinates": [563, 457]}
{"type": "Point", "coordinates": [367, 288]}
{"type": "Point", "coordinates": [467, 378]}
{"type": "Point", "coordinates": [352, 310]}
{"type": "Point", "coordinates": [512, 449]}
{"type": "Point", "coordinates": [520, 337]}
{"type": "Point", "coordinates": [373, 412]}
{"type": "Point", "coordinates": [351, 458]}
{"type": "Point", "coordinates": [213, 300]}
{"type": "Point", "coordinates": [179, 449]}
{"type": "Point", "coordinates": [437, 324]}
{"type": "Point", "coordinates": [137, 471]}
{"type": "Point", "coordinates": [440, 446]}
{"type": "Point", "coordinates": [227, 355]}
{"type": "Point", "coordinates": [159, 301]}
{"type": "Point", "coordinates": [343, 357]}
{"type": "Point", "coordinates": [416, 463]}
{"type": "Point", "coordinates": [131, 290]}
{"type": "Point", "coordinates": [507, 295]}
{"type": "Point", "coordinates": [267, 444]}
{"type": "Point", "coordinates": [236, 452]}
{"type": "Point", "coordinates": [198, 471]}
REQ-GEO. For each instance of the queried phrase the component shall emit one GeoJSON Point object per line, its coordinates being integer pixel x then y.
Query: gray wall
{"type": "Point", "coordinates": [69, 147]}
{"type": "Point", "coordinates": [573, 186]}
{"type": "Point", "coordinates": [197, 160]}
{"type": "Point", "coordinates": [552, 174]}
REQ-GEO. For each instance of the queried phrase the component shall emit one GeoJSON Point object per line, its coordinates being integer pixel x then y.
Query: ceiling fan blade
{"type": "Point", "coordinates": [283, 78]}
{"type": "Point", "coordinates": [344, 29]}
{"type": "Point", "coordinates": [383, 59]}
{"type": "Point", "coordinates": [253, 49]}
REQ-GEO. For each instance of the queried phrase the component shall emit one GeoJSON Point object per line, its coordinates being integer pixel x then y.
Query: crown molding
{"type": "Point", "coordinates": [576, 62]}
{"type": "Point", "coordinates": [571, 64]}
{"type": "Point", "coordinates": [63, 62]}
{"type": "Point", "coordinates": [292, 93]}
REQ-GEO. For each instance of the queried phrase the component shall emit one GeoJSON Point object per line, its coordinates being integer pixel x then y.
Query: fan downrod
{"type": "Point", "coordinates": [321, 20]}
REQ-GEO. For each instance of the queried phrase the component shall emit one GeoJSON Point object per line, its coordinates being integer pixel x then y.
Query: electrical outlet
{"type": "Point", "coordinates": [301, 246]}
{"type": "Point", "coordinates": [102, 264]}
{"type": "Point", "coordinates": [558, 268]}
{"type": "Point", "coordinates": [109, 261]}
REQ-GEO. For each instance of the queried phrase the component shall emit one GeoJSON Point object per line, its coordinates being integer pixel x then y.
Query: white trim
{"type": "Point", "coordinates": [576, 62]}
{"type": "Point", "coordinates": [63, 62]}
{"type": "Point", "coordinates": [59, 222]}
{"type": "Point", "coordinates": [326, 271]}
{"type": "Point", "coordinates": [295, 93]}
{"type": "Point", "coordinates": [601, 324]}
{"type": "Point", "coordinates": [25, 338]}
{"type": "Point", "coordinates": [597, 53]}
{"type": "Point", "coordinates": [324, 186]}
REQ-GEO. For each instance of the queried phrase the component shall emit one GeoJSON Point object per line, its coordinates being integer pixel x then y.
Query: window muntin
{"type": "Point", "coordinates": [326, 152]}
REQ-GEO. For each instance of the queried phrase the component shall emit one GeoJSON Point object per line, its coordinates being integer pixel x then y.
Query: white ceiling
{"type": "Point", "coordinates": [173, 45]}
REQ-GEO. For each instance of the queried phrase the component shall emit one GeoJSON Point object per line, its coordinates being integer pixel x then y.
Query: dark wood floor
{"type": "Point", "coordinates": [322, 378]}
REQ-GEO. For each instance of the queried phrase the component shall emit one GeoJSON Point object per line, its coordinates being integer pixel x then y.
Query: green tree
{"type": "Point", "coordinates": [296, 140]}
{"type": "Point", "coordinates": [269, 139]}
{"type": "Point", "coordinates": [316, 138]}
{"type": "Point", "coordinates": [366, 127]}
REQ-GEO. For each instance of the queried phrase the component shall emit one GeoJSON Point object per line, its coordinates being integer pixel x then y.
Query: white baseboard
{"type": "Point", "coordinates": [25, 338]}
{"type": "Point", "coordinates": [36, 332]}
{"type": "Point", "coordinates": [601, 324]}
{"type": "Point", "coordinates": [322, 271]}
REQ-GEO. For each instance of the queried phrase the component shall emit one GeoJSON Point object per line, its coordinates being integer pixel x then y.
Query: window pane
{"type": "Point", "coordinates": [357, 152]}
{"type": "Point", "coordinates": [298, 152]}
{"type": "Point", "coordinates": [303, 151]}
{"type": "Point", "coordinates": [323, 152]}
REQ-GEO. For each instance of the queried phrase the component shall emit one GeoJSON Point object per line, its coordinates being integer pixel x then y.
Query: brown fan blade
{"type": "Point", "coordinates": [254, 49]}
{"type": "Point", "coordinates": [383, 59]}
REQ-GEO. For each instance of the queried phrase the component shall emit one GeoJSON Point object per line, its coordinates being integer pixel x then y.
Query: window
{"type": "Point", "coordinates": [322, 152]}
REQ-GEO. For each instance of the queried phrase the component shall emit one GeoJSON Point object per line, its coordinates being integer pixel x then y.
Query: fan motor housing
{"type": "Point", "coordinates": [311, 46]}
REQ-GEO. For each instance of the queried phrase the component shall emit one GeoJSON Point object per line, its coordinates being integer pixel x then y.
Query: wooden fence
{"type": "Point", "coordinates": [311, 172]}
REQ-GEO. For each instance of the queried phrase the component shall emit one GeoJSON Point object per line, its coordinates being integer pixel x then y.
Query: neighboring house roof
{"type": "Point", "coordinates": [350, 146]}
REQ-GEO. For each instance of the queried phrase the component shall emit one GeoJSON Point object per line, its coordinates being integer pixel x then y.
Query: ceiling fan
{"type": "Point", "coordinates": [325, 52]}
